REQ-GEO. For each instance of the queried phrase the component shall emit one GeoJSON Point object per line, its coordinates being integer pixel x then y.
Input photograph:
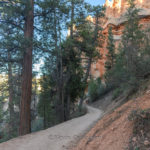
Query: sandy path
{"type": "Point", "coordinates": [57, 137]}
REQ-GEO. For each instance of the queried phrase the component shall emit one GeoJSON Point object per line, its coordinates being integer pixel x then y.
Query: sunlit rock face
{"type": "Point", "coordinates": [117, 8]}
{"type": "Point", "coordinates": [115, 17]}
{"type": "Point", "coordinates": [114, 8]}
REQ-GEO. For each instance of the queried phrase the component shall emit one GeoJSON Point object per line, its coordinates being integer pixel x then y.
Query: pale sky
{"type": "Point", "coordinates": [96, 2]}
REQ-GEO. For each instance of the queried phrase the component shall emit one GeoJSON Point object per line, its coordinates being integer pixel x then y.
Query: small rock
{"type": "Point", "coordinates": [112, 128]}
{"type": "Point", "coordinates": [134, 139]}
{"type": "Point", "coordinates": [146, 143]}
{"type": "Point", "coordinates": [148, 92]}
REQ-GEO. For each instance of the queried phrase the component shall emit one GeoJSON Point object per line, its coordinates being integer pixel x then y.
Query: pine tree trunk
{"type": "Point", "coordinates": [26, 87]}
{"type": "Point", "coordinates": [72, 18]}
{"type": "Point", "coordinates": [85, 81]}
{"type": "Point", "coordinates": [59, 106]}
{"type": "Point", "coordinates": [11, 105]}
{"type": "Point", "coordinates": [68, 108]}
{"type": "Point", "coordinates": [44, 118]}
{"type": "Point", "coordinates": [68, 96]}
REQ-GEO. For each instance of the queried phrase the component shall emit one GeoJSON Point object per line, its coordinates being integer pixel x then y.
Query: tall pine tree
{"type": "Point", "coordinates": [110, 56]}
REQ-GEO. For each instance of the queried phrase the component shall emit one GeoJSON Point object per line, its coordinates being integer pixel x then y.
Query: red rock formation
{"type": "Point", "coordinates": [115, 17]}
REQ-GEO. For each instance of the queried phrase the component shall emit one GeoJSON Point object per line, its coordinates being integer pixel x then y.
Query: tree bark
{"type": "Point", "coordinates": [26, 87]}
{"type": "Point", "coordinates": [11, 105]}
{"type": "Point", "coordinates": [85, 81]}
{"type": "Point", "coordinates": [59, 105]}
{"type": "Point", "coordinates": [68, 95]}
{"type": "Point", "coordinates": [72, 17]}
{"type": "Point", "coordinates": [44, 118]}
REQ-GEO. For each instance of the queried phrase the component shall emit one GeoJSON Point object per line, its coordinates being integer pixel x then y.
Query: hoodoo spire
{"type": "Point", "coordinates": [109, 3]}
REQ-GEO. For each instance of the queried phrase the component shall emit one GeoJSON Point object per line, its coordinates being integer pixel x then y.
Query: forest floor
{"type": "Point", "coordinates": [58, 137]}
{"type": "Point", "coordinates": [115, 130]}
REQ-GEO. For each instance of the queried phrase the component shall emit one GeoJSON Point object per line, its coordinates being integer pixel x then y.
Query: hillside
{"type": "Point", "coordinates": [115, 131]}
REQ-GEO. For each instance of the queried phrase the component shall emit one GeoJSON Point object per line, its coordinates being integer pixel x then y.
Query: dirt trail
{"type": "Point", "coordinates": [57, 137]}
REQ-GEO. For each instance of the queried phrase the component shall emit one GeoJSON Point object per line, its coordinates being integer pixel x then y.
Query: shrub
{"type": "Point", "coordinates": [78, 113]}
{"type": "Point", "coordinates": [97, 89]}
{"type": "Point", "coordinates": [93, 90]}
{"type": "Point", "coordinates": [116, 93]}
{"type": "Point", "coordinates": [37, 125]}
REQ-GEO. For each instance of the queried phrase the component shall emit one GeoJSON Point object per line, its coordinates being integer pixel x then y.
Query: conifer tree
{"type": "Point", "coordinates": [110, 56]}
{"type": "Point", "coordinates": [51, 35]}
{"type": "Point", "coordinates": [46, 103]}
{"type": "Point", "coordinates": [132, 39]}
{"type": "Point", "coordinates": [130, 59]}
{"type": "Point", "coordinates": [91, 38]}
{"type": "Point", "coordinates": [18, 17]}
{"type": "Point", "coordinates": [26, 91]}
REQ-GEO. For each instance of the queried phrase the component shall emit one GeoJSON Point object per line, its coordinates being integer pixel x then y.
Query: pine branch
{"type": "Point", "coordinates": [11, 23]}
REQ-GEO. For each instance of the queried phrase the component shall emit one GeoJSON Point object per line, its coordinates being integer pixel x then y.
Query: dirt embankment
{"type": "Point", "coordinates": [114, 130]}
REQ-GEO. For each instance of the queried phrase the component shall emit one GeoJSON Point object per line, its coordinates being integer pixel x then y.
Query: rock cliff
{"type": "Point", "coordinates": [115, 17]}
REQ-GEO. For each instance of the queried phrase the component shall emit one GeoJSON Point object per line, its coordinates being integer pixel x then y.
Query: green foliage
{"type": "Point", "coordinates": [111, 51]}
{"type": "Point", "coordinates": [37, 125]}
{"type": "Point", "coordinates": [63, 76]}
{"type": "Point", "coordinates": [46, 104]}
{"type": "Point", "coordinates": [96, 89]}
{"type": "Point", "coordinates": [117, 92]}
{"type": "Point", "coordinates": [92, 90]}
{"type": "Point", "coordinates": [78, 113]}
{"type": "Point", "coordinates": [132, 59]}
{"type": "Point", "coordinates": [72, 61]}
{"type": "Point", "coordinates": [91, 37]}
{"type": "Point", "coordinates": [132, 40]}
